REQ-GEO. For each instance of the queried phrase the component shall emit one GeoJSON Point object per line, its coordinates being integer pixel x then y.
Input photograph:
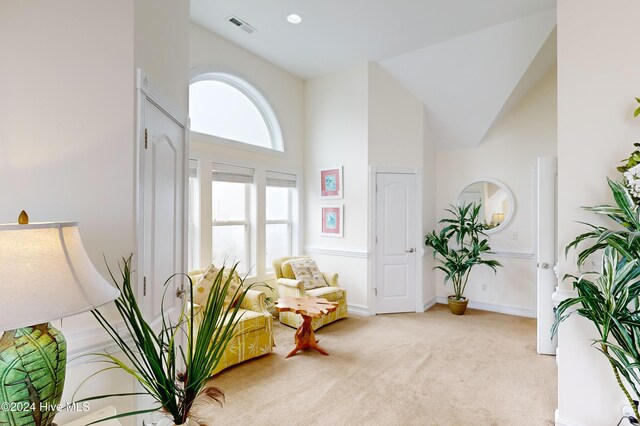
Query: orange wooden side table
{"type": "Point", "coordinates": [310, 307]}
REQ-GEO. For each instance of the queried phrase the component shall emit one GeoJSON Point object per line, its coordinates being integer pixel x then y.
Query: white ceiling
{"type": "Point", "coordinates": [465, 82]}
{"type": "Point", "coordinates": [462, 58]}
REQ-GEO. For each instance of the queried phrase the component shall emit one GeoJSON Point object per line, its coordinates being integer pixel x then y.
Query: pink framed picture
{"type": "Point", "coordinates": [332, 221]}
{"type": "Point", "coordinates": [331, 183]}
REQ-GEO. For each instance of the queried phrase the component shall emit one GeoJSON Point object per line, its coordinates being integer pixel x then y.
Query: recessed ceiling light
{"type": "Point", "coordinates": [294, 19]}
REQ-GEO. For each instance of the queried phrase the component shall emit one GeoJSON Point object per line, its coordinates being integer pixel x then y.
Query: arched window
{"type": "Point", "coordinates": [226, 106]}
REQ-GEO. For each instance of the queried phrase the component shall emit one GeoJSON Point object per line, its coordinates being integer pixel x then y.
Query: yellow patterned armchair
{"type": "Point", "coordinates": [289, 286]}
{"type": "Point", "coordinates": [254, 333]}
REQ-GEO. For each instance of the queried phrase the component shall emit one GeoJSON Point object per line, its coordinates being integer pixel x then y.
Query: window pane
{"type": "Point", "coordinates": [218, 109]}
{"type": "Point", "coordinates": [229, 201]}
{"type": "Point", "coordinates": [278, 243]}
{"type": "Point", "coordinates": [277, 203]}
{"type": "Point", "coordinates": [228, 246]}
{"type": "Point", "coordinates": [193, 229]}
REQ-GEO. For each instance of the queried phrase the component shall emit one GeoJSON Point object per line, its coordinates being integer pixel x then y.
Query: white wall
{"type": "Point", "coordinates": [598, 76]}
{"type": "Point", "coordinates": [429, 213]}
{"type": "Point", "coordinates": [67, 131]}
{"type": "Point", "coordinates": [357, 118]}
{"type": "Point", "coordinates": [161, 46]}
{"type": "Point", "coordinates": [336, 135]}
{"type": "Point", "coordinates": [508, 153]}
{"type": "Point", "coordinates": [395, 122]}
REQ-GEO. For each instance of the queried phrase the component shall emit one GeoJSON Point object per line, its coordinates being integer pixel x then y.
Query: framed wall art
{"type": "Point", "coordinates": [331, 183]}
{"type": "Point", "coordinates": [332, 221]}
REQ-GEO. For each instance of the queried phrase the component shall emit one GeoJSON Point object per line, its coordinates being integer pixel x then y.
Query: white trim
{"type": "Point", "coordinates": [160, 100]}
{"type": "Point", "coordinates": [561, 422]}
{"type": "Point", "coordinates": [230, 143]}
{"type": "Point", "coordinates": [429, 304]}
{"type": "Point", "coordinates": [248, 89]}
{"type": "Point", "coordinates": [561, 295]}
{"type": "Point", "coordinates": [93, 340]}
{"type": "Point", "coordinates": [359, 252]}
{"type": "Point", "coordinates": [395, 170]}
{"type": "Point", "coordinates": [358, 310]}
{"type": "Point", "coordinates": [516, 254]}
{"type": "Point", "coordinates": [505, 188]}
{"type": "Point", "coordinates": [509, 310]}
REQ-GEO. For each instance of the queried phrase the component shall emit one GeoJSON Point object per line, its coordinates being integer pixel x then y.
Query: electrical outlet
{"type": "Point", "coordinates": [514, 235]}
{"type": "Point", "coordinates": [484, 287]}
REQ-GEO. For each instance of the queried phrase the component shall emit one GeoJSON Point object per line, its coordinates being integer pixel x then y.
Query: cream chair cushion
{"type": "Point", "coordinates": [307, 271]}
{"type": "Point", "coordinates": [203, 287]}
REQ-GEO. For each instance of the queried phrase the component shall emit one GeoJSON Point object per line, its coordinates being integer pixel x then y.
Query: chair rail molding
{"type": "Point", "coordinates": [359, 252]}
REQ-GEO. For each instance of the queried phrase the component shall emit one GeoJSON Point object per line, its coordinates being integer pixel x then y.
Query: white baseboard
{"type": "Point", "coordinates": [358, 310]}
{"type": "Point", "coordinates": [429, 304]}
{"type": "Point", "coordinates": [560, 422]}
{"type": "Point", "coordinates": [495, 308]}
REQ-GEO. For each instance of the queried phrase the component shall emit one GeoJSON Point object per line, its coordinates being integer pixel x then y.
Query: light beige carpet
{"type": "Point", "coordinates": [432, 368]}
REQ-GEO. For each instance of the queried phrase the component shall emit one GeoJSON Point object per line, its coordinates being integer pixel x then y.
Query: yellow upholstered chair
{"type": "Point", "coordinates": [253, 336]}
{"type": "Point", "coordinates": [289, 286]}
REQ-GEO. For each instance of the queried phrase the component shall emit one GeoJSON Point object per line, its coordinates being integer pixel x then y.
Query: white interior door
{"type": "Point", "coordinates": [162, 216]}
{"type": "Point", "coordinates": [164, 200]}
{"type": "Point", "coordinates": [547, 251]}
{"type": "Point", "coordinates": [396, 243]}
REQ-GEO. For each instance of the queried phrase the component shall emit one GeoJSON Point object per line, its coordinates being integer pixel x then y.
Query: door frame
{"type": "Point", "coordinates": [147, 91]}
{"type": "Point", "coordinates": [373, 216]}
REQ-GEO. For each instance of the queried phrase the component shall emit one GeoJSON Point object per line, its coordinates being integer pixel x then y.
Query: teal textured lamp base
{"type": "Point", "coordinates": [32, 368]}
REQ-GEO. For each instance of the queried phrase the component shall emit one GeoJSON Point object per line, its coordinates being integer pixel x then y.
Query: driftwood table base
{"type": "Point", "coordinates": [312, 307]}
{"type": "Point", "coordinates": [306, 338]}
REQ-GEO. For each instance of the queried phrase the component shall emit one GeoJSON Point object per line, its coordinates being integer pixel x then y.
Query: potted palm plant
{"type": "Point", "coordinates": [457, 248]}
{"type": "Point", "coordinates": [175, 376]}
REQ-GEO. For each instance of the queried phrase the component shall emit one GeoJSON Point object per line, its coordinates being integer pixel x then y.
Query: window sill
{"type": "Point", "coordinates": [229, 143]}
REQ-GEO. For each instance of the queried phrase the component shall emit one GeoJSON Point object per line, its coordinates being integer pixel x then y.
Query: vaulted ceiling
{"type": "Point", "coordinates": [468, 61]}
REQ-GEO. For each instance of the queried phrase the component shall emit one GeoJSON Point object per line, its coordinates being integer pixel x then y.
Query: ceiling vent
{"type": "Point", "coordinates": [241, 24]}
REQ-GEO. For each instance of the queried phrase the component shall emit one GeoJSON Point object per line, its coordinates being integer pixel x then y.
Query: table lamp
{"type": "Point", "coordinates": [497, 218]}
{"type": "Point", "coordinates": [45, 274]}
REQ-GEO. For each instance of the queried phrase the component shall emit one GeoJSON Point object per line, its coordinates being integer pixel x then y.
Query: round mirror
{"type": "Point", "coordinates": [496, 200]}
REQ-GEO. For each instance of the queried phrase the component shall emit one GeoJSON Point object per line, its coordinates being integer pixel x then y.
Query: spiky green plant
{"type": "Point", "coordinates": [172, 375]}
{"type": "Point", "coordinates": [625, 239]}
{"type": "Point", "coordinates": [460, 245]}
{"type": "Point", "coordinates": [610, 302]}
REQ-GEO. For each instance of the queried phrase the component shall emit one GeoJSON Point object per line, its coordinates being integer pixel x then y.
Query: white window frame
{"type": "Point", "coordinates": [246, 264]}
{"type": "Point", "coordinates": [289, 222]}
{"type": "Point", "coordinates": [257, 239]}
{"type": "Point", "coordinates": [256, 97]}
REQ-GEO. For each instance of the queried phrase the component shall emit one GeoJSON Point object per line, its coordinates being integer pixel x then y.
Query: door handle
{"type": "Point", "coordinates": [411, 250]}
{"type": "Point", "coordinates": [181, 292]}
{"type": "Point", "coordinates": [544, 265]}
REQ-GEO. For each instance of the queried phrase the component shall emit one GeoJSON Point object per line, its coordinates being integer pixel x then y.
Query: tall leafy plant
{"type": "Point", "coordinates": [173, 375]}
{"type": "Point", "coordinates": [460, 245]}
{"type": "Point", "coordinates": [610, 302]}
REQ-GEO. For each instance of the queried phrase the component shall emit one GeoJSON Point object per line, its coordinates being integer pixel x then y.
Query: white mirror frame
{"type": "Point", "coordinates": [505, 188]}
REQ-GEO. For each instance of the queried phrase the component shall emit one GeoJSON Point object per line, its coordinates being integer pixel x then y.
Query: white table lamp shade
{"type": "Point", "coordinates": [45, 274]}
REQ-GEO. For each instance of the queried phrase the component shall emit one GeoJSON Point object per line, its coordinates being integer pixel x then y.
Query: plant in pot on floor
{"type": "Point", "coordinates": [458, 247]}
{"type": "Point", "coordinates": [175, 376]}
